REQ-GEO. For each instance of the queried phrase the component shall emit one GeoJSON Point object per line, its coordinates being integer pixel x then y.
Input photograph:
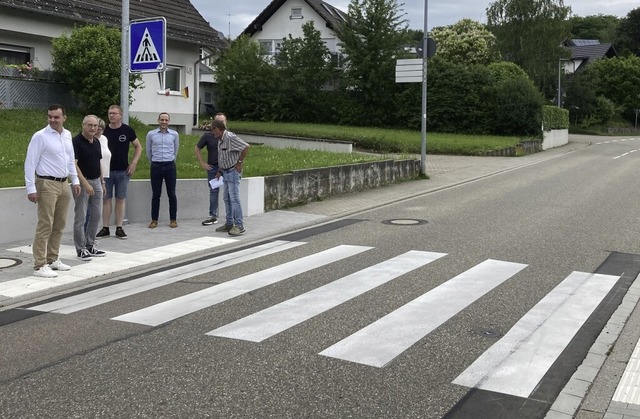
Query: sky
{"type": "Point", "coordinates": [232, 16]}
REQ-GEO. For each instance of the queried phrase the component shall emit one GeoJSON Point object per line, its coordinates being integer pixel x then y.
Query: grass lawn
{"type": "Point", "coordinates": [17, 127]}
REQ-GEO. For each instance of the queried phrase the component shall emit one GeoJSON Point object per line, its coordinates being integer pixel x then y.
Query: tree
{"type": "Point", "coordinates": [247, 84]}
{"type": "Point", "coordinates": [88, 60]}
{"type": "Point", "coordinates": [627, 38]}
{"type": "Point", "coordinates": [619, 81]}
{"type": "Point", "coordinates": [466, 41]}
{"type": "Point", "coordinates": [371, 39]}
{"type": "Point", "coordinates": [304, 66]}
{"type": "Point", "coordinates": [600, 27]}
{"type": "Point", "coordinates": [529, 33]}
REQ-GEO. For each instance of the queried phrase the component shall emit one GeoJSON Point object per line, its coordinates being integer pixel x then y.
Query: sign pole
{"type": "Point", "coordinates": [423, 146]}
{"type": "Point", "coordinates": [124, 63]}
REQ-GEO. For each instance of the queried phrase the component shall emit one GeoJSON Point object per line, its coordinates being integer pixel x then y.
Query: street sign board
{"type": "Point", "coordinates": [148, 45]}
{"type": "Point", "coordinates": [409, 70]}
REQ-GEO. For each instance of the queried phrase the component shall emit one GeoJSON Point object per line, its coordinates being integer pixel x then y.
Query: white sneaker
{"type": "Point", "coordinates": [45, 272]}
{"type": "Point", "coordinates": [59, 266]}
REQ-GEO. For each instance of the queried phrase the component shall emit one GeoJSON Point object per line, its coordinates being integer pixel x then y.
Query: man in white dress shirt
{"type": "Point", "coordinates": [49, 163]}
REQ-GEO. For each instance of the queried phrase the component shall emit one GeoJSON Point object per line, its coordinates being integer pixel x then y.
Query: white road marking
{"type": "Point", "coordinates": [190, 303]}
{"type": "Point", "coordinates": [113, 262]}
{"type": "Point", "coordinates": [380, 342]}
{"type": "Point", "coordinates": [124, 289]}
{"type": "Point", "coordinates": [273, 320]}
{"type": "Point", "coordinates": [626, 154]}
{"type": "Point", "coordinates": [517, 362]}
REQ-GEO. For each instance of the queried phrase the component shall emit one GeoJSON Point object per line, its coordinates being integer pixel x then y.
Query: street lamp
{"type": "Point", "coordinates": [560, 60]}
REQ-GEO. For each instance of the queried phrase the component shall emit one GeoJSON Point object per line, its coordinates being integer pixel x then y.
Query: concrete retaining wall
{"type": "Point", "coordinates": [554, 138]}
{"type": "Point", "coordinates": [333, 146]}
{"type": "Point", "coordinates": [302, 186]}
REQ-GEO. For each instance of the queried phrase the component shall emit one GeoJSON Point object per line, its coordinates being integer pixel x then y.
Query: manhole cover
{"type": "Point", "coordinates": [405, 222]}
{"type": "Point", "coordinates": [9, 262]}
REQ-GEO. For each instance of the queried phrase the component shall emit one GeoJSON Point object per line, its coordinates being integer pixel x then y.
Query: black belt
{"type": "Point", "coordinates": [224, 170]}
{"type": "Point", "coordinates": [57, 179]}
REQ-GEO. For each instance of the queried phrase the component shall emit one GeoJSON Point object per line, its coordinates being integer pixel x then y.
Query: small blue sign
{"type": "Point", "coordinates": [147, 45]}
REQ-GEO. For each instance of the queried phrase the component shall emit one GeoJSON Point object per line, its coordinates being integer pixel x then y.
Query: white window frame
{"type": "Point", "coordinates": [180, 79]}
{"type": "Point", "coordinates": [296, 13]}
{"type": "Point", "coordinates": [28, 52]}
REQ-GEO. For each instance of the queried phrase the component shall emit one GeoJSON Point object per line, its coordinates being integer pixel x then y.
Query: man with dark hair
{"type": "Point", "coordinates": [49, 163]}
{"type": "Point", "coordinates": [209, 141]}
{"type": "Point", "coordinates": [119, 136]}
{"type": "Point", "coordinates": [231, 153]}
{"type": "Point", "coordinates": [162, 150]}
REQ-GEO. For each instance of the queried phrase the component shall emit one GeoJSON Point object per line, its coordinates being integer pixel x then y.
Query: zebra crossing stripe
{"type": "Point", "coordinates": [106, 294]}
{"type": "Point", "coordinates": [517, 362]}
{"type": "Point", "coordinates": [379, 343]}
{"type": "Point", "coordinates": [190, 303]}
{"type": "Point", "coordinates": [273, 320]}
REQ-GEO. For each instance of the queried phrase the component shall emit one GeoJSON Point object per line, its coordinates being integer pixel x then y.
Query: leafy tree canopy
{"type": "Point", "coordinates": [246, 81]}
{"type": "Point", "coordinates": [371, 39]}
{"type": "Point", "coordinates": [619, 81]}
{"type": "Point", "coordinates": [88, 60]}
{"type": "Point", "coordinates": [627, 38]}
{"type": "Point", "coordinates": [305, 66]}
{"type": "Point", "coordinates": [529, 33]}
{"type": "Point", "coordinates": [466, 41]}
{"type": "Point", "coordinates": [600, 27]}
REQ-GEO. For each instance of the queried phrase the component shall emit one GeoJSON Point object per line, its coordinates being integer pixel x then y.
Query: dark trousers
{"type": "Point", "coordinates": [163, 171]}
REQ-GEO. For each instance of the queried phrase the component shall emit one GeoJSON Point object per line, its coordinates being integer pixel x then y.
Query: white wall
{"type": "Point", "coordinates": [280, 26]}
{"type": "Point", "coordinates": [554, 138]}
{"type": "Point", "coordinates": [193, 204]}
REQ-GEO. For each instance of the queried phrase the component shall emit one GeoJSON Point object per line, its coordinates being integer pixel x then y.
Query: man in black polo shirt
{"type": "Point", "coordinates": [88, 154]}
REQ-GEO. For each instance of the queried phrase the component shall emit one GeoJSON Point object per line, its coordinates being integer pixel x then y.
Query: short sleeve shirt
{"type": "Point", "coordinates": [88, 156]}
{"type": "Point", "coordinates": [119, 140]}
{"type": "Point", "coordinates": [229, 148]}
{"type": "Point", "coordinates": [209, 141]}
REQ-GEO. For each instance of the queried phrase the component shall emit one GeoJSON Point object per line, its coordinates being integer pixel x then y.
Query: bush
{"type": "Point", "coordinates": [516, 107]}
{"type": "Point", "coordinates": [554, 118]}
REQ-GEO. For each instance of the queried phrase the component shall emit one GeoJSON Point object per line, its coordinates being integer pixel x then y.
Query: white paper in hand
{"type": "Point", "coordinates": [216, 183]}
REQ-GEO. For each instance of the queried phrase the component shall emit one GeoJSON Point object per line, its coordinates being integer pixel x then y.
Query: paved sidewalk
{"type": "Point", "coordinates": [147, 250]}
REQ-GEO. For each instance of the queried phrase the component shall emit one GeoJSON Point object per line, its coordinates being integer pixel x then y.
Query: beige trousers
{"type": "Point", "coordinates": [53, 202]}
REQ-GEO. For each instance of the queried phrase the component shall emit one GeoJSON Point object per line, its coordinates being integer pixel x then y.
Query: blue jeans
{"type": "Point", "coordinates": [214, 194]}
{"type": "Point", "coordinates": [163, 171]}
{"type": "Point", "coordinates": [232, 197]}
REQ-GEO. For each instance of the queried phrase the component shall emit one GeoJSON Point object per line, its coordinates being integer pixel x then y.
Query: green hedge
{"type": "Point", "coordinates": [554, 118]}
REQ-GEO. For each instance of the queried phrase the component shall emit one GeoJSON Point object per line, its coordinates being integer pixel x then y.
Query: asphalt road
{"type": "Point", "coordinates": [385, 314]}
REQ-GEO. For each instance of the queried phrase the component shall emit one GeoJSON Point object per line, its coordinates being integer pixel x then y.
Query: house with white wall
{"type": "Point", "coordinates": [282, 18]}
{"type": "Point", "coordinates": [28, 26]}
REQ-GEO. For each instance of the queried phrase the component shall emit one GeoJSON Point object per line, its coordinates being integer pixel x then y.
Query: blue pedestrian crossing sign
{"type": "Point", "coordinates": [147, 45]}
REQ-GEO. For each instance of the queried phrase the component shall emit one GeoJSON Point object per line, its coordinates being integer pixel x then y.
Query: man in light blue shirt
{"type": "Point", "coordinates": [162, 151]}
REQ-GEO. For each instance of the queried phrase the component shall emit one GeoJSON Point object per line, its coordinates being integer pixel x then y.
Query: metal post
{"type": "Point", "coordinates": [423, 146]}
{"type": "Point", "coordinates": [124, 63]}
{"type": "Point", "coordinates": [559, 81]}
